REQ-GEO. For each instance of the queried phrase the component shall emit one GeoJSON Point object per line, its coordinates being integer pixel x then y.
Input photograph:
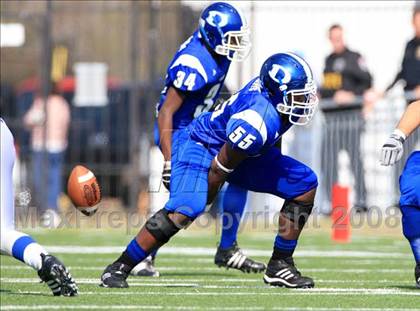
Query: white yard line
{"type": "Point", "coordinates": [407, 261]}
{"type": "Point", "coordinates": [324, 291]}
{"type": "Point", "coordinates": [272, 291]}
{"type": "Point", "coordinates": [165, 268]}
{"type": "Point", "coordinates": [80, 307]}
{"type": "Point", "coordinates": [200, 251]}
{"type": "Point", "coordinates": [160, 307]}
{"type": "Point", "coordinates": [192, 282]}
{"type": "Point", "coordinates": [96, 281]}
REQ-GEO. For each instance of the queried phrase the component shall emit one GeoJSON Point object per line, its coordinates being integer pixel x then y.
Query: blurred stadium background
{"type": "Point", "coordinates": [108, 59]}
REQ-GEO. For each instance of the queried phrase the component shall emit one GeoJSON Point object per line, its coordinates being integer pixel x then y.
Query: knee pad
{"type": "Point", "coordinates": [161, 226]}
{"type": "Point", "coordinates": [296, 211]}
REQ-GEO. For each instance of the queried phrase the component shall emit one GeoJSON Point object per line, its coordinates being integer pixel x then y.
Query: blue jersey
{"type": "Point", "coordinates": [196, 73]}
{"type": "Point", "coordinates": [247, 121]}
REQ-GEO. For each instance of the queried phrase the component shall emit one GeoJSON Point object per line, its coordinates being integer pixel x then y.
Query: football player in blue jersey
{"type": "Point", "coordinates": [392, 152]}
{"type": "Point", "coordinates": [239, 142]}
{"type": "Point", "coordinates": [193, 82]}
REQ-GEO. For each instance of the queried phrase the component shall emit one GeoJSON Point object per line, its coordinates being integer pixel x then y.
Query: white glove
{"type": "Point", "coordinates": [392, 150]}
{"type": "Point", "coordinates": [166, 174]}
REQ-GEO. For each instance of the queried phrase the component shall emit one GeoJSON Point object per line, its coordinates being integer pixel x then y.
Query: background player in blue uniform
{"type": "Point", "coordinates": [192, 85]}
{"type": "Point", "coordinates": [392, 152]}
{"type": "Point", "coordinates": [238, 143]}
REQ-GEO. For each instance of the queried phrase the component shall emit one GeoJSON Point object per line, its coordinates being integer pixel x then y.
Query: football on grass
{"type": "Point", "coordinates": [83, 190]}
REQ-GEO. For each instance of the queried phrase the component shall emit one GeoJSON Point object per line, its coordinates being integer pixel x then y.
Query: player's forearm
{"type": "Point", "coordinates": [220, 169]}
{"type": "Point", "coordinates": [222, 165]}
{"type": "Point", "coordinates": [165, 133]}
{"type": "Point", "coordinates": [410, 119]}
{"type": "Point", "coordinates": [172, 103]}
{"type": "Point", "coordinates": [216, 179]}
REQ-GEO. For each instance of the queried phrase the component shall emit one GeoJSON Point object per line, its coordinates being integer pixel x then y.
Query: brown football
{"type": "Point", "coordinates": [83, 190]}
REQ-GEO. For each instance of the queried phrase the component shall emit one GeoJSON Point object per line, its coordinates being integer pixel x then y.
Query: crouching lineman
{"type": "Point", "coordinates": [239, 142]}
{"type": "Point", "coordinates": [192, 85]}
{"type": "Point", "coordinates": [392, 152]}
{"type": "Point", "coordinates": [20, 245]}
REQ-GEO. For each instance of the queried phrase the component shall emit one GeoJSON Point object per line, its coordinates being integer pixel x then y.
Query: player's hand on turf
{"type": "Point", "coordinates": [393, 149]}
{"type": "Point", "coordinates": [166, 174]}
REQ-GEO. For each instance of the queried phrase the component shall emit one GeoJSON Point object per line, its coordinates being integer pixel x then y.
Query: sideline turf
{"type": "Point", "coordinates": [195, 283]}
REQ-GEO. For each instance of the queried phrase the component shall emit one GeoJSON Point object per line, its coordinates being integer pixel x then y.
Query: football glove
{"type": "Point", "coordinates": [166, 174]}
{"type": "Point", "coordinates": [393, 149]}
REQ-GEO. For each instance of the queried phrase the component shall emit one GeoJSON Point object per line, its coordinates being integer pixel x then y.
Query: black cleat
{"type": "Point", "coordinates": [115, 276]}
{"type": "Point", "coordinates": [234, 258]}
{"type": "Point", "coordinates": [57, 277]}
{"type": "Point", "coordinates": [417, 275]}
{"type": "Point", "coordinates": [284, 274]}
{"type": "Point", "coordinates": [146, 268]}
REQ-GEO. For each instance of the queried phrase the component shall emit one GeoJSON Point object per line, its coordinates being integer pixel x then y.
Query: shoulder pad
{"type": "Point", "coordinates": [246, 131]}
{"type": "Point", "coordinates": [187, 73]}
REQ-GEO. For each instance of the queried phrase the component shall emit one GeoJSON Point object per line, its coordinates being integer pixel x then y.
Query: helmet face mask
{"type": "Point", "coordinates": [299, 105]}
{"type": "Point", "coordinates": [236, 45]}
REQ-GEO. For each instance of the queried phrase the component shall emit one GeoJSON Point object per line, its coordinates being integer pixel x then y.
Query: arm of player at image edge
{"type": "Point", "coordinates": [222, 165]}
{"type": "Point", "coordinates": [393, 149]}
{"type": "Point", "coordinates": [173, 102]}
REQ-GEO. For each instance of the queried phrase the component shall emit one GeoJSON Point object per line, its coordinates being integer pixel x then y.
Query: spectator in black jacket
{"type": "Point", "coordinates": [410, 67]}
{"type": "Point", "coordinates": [346, 84]}
{"type": "Point", "coordinates": [345, 72]}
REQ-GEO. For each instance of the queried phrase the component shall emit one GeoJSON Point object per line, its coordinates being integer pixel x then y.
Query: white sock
{"type": "Point", "coordinates": [22, 247]}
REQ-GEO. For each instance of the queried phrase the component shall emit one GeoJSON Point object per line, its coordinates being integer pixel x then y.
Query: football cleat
{"type": "Point", "coordinates": [115, 276]}
{"type": "Point", "coordinates": [57, 277]}
{"type": "Point", "coordinates": [146, 268]}
{"type": "Point", "coordinates": [234, 258]}
{"type": "Point", "coordinates": [417, 275]}
{"type": "Point", "coordinates": [283, 273]}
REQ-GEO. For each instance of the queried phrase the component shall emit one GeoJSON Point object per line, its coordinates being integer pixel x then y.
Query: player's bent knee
{"type": "Point", "coordinates": [410, 184]}
{"type": "Point", "coordinates": [297, 211]}
{"type": "Point", "coordinates": [161, 227]}
{"type": "Point", "coordinates": [191, 205]}
{"type": "Point", "coordinates": [410, 221]}
{"type": "Point", "coordinates": [410, 196]}
{"type": "Point", "coordinates": [190, 209]}
{"type": "Point", "coordinates": [307, 186]}
{"type": "Point", "coordinates": [313, 180]}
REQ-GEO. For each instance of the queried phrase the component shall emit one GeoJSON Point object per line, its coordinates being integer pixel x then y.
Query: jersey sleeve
{"type": "Point", "coordinates": [187, 74]}
{"type": "Point", "coordinates": [246, 132]}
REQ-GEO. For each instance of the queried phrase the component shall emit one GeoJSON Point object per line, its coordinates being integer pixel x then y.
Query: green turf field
{"type": "Point", "coordinates": [371, 273]}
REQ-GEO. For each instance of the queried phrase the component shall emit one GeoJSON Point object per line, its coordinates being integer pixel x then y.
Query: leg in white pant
{"type": "Point", "coordinates": [20, 245]}
{"type": "Point", "coordinates": [13, 243]}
